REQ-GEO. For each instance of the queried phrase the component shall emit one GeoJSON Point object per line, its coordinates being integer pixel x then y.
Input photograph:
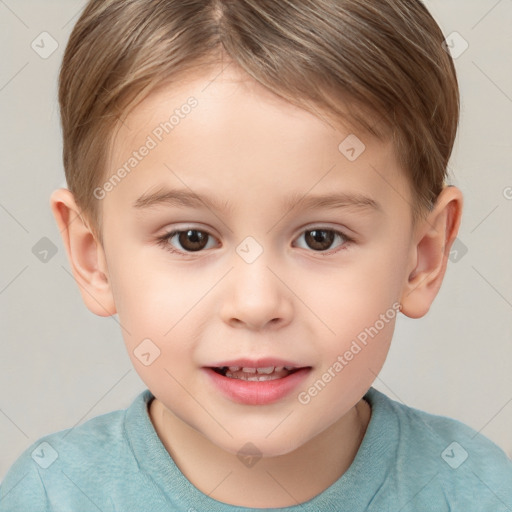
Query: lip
{"type": "Point", "coordinates": [257, 392]}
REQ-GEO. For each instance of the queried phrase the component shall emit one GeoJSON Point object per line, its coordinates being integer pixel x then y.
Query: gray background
{"type": "Point", "coordinates": [61, 365]}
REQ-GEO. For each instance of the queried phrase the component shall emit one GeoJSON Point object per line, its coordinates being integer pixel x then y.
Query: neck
{"type": "Point", "coordinates": [273, 482]}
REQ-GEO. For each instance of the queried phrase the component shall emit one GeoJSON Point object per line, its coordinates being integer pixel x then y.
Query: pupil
{"type": "Point", "coordinates": [193, 240]}
{"type": "Point", "coordinates": [319, 239]}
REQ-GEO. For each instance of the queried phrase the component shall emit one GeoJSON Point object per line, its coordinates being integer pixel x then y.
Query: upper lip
{"type": "Point", "coordinates": [264, 362]}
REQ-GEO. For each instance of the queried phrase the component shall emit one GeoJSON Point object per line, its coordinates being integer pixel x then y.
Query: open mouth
{"type": "Point", "coordinates": [255, 374]}
{"type": "Point", "coordinates": [256, 382]}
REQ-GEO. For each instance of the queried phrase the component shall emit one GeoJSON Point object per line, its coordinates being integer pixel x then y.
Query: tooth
{"type": "Point", "coordinates": [234, 368]}
{"type": "Point", "coordinates": [267, 370]}
{"type": "Point", "coordinates": [268, 377]}
{"type": "Point", "coordinates": [252, 378]}
{"type": "Point", "coordinates": [278, 368]}
{"type": "Point", "coordinates": [249, 370]}
{"type": "Point", "coordinates": [260, 377]}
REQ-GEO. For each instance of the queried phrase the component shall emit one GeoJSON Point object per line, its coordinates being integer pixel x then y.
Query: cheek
{"type": "Point", "coordinates": [151, 300]}
{"type": "Point", "coordinates": [154, 308]}
{"type": "Point", "coordinates": [165, 305]}
{"type": "Point", "coordinates": [353, 356]}
{"type": "Point", "coordinates": [356, 310]}
{"type": "Point", "coordinates": [349, 299]}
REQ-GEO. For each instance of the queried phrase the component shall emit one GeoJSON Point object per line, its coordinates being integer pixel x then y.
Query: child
{"type": "Point", "coordinates": [257, 190]}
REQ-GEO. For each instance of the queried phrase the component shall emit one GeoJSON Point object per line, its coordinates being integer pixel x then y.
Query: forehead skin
{"type": "Point", "coordinates": [246, 147]}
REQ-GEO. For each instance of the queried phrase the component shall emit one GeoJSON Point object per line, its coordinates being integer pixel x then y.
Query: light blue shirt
{"type": "Point", "coordinates": [409, 461]}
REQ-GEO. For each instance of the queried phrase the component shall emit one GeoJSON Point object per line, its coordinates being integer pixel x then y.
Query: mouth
{"type": "Point", "coordinates": [257, 382]}
{"type": "Point", "coordinates": [256, 374]}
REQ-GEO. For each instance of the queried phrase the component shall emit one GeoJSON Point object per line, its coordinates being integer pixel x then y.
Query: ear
{"type": "Point", "coordinates": [85, 254]}
{"type": "Point", "coordinates": [433, 239]}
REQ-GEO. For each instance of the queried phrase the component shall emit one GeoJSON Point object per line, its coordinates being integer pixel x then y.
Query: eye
{"type": "Point", "coordinates": [322, 239]}
{"type": "Point", "coordinates": [187, 240]}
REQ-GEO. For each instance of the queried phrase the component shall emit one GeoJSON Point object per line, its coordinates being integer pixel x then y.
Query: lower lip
{"type": "Point", "coordinates": [257, 392]}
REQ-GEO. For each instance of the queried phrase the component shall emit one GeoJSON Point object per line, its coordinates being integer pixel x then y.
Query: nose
{"type": "Point", "coordinates": [255, 298]}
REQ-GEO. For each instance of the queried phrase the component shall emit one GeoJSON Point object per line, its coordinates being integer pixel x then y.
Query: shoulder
{"type": "Point", "coordinates": [449, 458]}
{"type": "Point", "coordinates": [59, 464]}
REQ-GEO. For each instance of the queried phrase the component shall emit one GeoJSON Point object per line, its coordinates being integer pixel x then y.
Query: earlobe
{"type": "Point", "coordinates": [86, 255]}
{"type": "Point", "coordinates": [429, 255]}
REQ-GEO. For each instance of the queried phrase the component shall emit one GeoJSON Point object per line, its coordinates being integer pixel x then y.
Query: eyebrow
{"type": "Point", "coordinates": [185, 198]}
{"type": "Point", "coordinates": [177, 197]}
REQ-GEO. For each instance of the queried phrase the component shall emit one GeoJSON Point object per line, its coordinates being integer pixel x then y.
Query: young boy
{"type": "Point", "coordinates": [257, 189]}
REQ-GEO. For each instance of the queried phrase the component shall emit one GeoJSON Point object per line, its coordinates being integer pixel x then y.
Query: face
{"type": "Point", "coordinates": [245, 236]}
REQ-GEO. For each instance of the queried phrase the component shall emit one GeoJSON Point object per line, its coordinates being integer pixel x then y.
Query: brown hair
{"type": "Point", "coordinates": [379, 65]}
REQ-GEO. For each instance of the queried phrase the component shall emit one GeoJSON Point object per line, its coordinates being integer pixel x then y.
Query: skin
{"type": "Point", "coordinates": [249, 149]}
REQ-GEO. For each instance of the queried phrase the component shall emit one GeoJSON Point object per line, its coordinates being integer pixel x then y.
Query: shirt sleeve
{"type": "Point", "coordinates": [22, 488]}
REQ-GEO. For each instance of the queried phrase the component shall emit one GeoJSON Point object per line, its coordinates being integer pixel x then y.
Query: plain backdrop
{"type": "Point", "coordinates": [60, 365]}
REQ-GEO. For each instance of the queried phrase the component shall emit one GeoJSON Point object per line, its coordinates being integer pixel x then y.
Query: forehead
{"type": "Point", "coordinates": [232, 100]}
{"type": "Point", "coordinates": [223, 131]}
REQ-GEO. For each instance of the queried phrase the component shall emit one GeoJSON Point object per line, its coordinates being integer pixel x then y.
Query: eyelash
{"type": "Point", "coordinates": [164, 240]}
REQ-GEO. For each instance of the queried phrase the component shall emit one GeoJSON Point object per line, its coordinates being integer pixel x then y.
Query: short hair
{"type": "Point", "coordinates": [379, 65]}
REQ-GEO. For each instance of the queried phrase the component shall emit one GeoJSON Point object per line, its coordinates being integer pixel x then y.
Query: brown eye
{"type": "Point", "coordinates": [187, 241]}
{"type": "Point", "coordinates": [192, 239]}
{"type": "Point", "coordinates": [319, 239]}
{"type": "Point", "coordinates": [322, 240]}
